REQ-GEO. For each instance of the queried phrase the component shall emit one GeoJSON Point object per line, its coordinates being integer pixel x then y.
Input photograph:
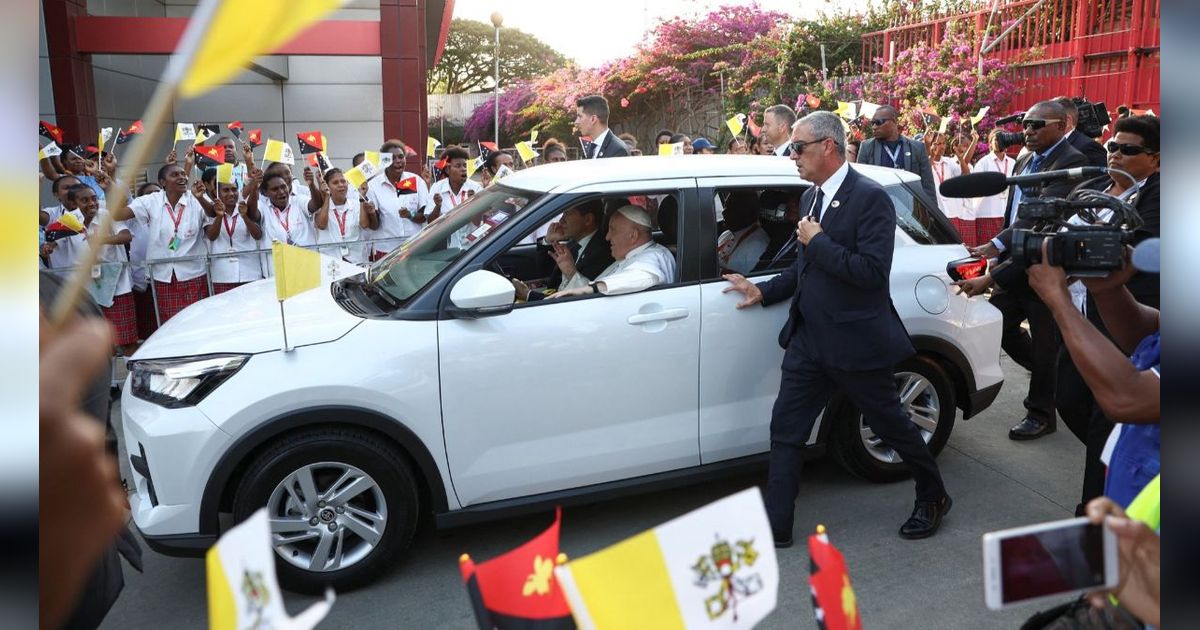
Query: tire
{"type": "Point", "coordinates": [377, 491]}
{"type": "Point", "coordinates": [857, 449]}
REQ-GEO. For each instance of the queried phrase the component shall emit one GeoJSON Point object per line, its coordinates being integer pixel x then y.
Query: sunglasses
{"type": "Point", "coordinates": [1035, 124]}
{"type": "Point", "coordinates": [799, 145]}
{"type": "Point", "coordinates": [1127, 149]}
{"type": "Point", "coordinates": [881, 121]}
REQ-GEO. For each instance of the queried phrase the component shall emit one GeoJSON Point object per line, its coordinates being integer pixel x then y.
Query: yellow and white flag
{"type": "Point", "coordinates": [868, 109]}
{"type": "Point", "coordinates": [224, 173]}
{"type": "Point", "coordinates": [942, 126]}
{"type": "Point", "coordinates": [525, 150]}
{"type": "Point", "coordinates": [184, 131]}
{"type": "Point", "coordinates": [533, 136]}
{"type": "Point", "coordinates": [736, 124]}
{"type": "Point", "coordinates": [380, 160]}
{"type": "Point", "coordinates": [202, 134]}
{"type": "Point", "coordinates": [670, 149]}
{"type": "Point", "coordinates": [474, 165]}
{"type": "Point", "coordinates": [714, 567]}
{"type": "Point", "coordinates": [846, 110]}
{"type": "Point", "coordinates": [298, 269]}
{"type": "Point", "coordinates": [104, 137]}
{"type": "Point", "coordinates": [242, 589]}
{"type": "Point", "coordinates": [359, 175]}
{"type": "Point", "coordinates": [979, 116]}
{"type": "Point", "coordinates": [50, 150]}
{"type": "Point", "coordinates": [431, 146]}
{"type": "Point", "coordinates": [279, 151]}
{"type": "Point", "coordinates": [244, 29]}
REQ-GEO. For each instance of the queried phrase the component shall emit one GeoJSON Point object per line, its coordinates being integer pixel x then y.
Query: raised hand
{"type": "Point", "coordinates": [242, 209]}
{"type": "Point", "coordinates": [219, 208]}
{"type": "Point", "coordinates": [308, 177]}
{"type": "Point", "coordinates": [172, 158]}
{"type": "Point", "coordinates": [437, 201]}
{"type": "Point", "coordinates": [198, 189]}
{"type": "Point", "coordinates": [564, 259]}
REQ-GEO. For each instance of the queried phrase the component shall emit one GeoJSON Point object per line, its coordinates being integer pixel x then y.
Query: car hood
{"type": "Point", "coordinates": [247, 320]}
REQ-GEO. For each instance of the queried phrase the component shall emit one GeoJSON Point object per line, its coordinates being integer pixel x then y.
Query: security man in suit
{"type": "Point", "coordinates": [777, 128]}
{"type": "Point", "coordinates": [1134, 148]}
{"type": "Point", "coordinates": [584, 258]}
{"type": "Point", "coordinates": [591, 119]}
{"type": "Point", "coordinates": [1037, 350]}
{"type": "Point", "coordinates": [842, 330]}
{"type": "Point", "coordinates": [1092, 150]}
{"type": "Point", "coordinates": [889, 148]}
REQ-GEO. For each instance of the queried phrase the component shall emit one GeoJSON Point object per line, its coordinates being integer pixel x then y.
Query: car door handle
{"type": "Point", "coordinates": [664, 315]}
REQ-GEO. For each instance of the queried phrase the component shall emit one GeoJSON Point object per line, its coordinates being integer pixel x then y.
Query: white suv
{"type": "Point", "coordinates": [421, 388]}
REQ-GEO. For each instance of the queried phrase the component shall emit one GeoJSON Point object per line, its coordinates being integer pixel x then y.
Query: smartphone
{"type": "Point", "coordinates": [1047, 561]}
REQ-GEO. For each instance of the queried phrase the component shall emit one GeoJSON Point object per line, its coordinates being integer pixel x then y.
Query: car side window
{"type": "Point", "coordinates": [916, 219]}
{"type": "Point", "coordinates": [755, 228]}
{"type": "Point", "coordinates": [572, 248]}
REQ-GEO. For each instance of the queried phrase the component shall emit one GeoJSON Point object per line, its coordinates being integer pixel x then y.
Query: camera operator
{"type": "Point", "coordinates": [1126, 389]}
{"type": "Point", "coordinates": [1134, 148]}
{"type": "Point", "coordinates": [1092, 150]}
{"type": "Point", "coordinates": [1045, 126]}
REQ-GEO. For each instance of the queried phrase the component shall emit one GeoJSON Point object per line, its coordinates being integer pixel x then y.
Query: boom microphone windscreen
{"type": "Point", "coordinates": [983, 184]}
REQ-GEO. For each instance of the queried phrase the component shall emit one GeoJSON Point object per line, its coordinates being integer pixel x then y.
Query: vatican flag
{"type": "Point", "coordinates": [242, 589]}
{"type": "Point", "coordinates": [714, 567]}
{"type": "Point", "coordinates": [184, 131]}
{"type": "Point", "coordinates": [736, 124]}
{"type": "Point", "coordinates": [298, 269]}
{"type": "Point", "coordinates": [365, 170]}
{"type": "Point", "coordinates": [846, 110]}
{"type": "Point", "coordinates": [526, 152]}
{"type": "Point", "coordinates": [670, 149]}
{"type": "Point", "coordinates": [279, 151]}
{"type": "Point", "coordinates": [379, 160]}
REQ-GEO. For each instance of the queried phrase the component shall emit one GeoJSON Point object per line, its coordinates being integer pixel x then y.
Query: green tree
{"type": "Point", "coordinates": [467, 63]}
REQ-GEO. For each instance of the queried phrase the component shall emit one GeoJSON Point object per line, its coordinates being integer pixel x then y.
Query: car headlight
{"type": "Point", "coordinates": [182, 382]}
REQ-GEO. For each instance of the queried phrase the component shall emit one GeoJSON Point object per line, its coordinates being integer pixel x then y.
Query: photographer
{"type": "Point", "coordinates": [1037, 350]}
{"type": "Point", "coordinates": [1134, 148]}
{"type": "Point", "coordinates": [1126, 389]}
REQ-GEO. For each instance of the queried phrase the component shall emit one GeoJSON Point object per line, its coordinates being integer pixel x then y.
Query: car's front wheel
{"type": "Point", "coordinates": [342, 504]}
{"type": "Point", "coordinates": [926, 395]}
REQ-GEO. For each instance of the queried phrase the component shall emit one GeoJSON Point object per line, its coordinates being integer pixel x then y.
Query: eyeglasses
{"type": "Point", "coordinates": [1127, 149]}
{"type": "Point", "coordinates": [881, 121]}
{"type": "Point", "coordinates": [1035, 124]}
{"type": "Point", "coordinates": [799, 145]}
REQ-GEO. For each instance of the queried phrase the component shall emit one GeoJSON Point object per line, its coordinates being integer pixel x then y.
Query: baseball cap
{"type": "Point", "coordinates": [1145, 256]}
{"type": "Point", "coordinates": [702, 143]}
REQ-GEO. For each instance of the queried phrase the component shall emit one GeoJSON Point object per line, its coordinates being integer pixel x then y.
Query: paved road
{"type": "Point", "coordinates": [929, 584]}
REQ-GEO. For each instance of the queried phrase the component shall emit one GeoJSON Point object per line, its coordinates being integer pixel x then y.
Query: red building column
{"type": "Point", "coordinates": [402, 45]}
{"type": "Point", "coordinates": [70, 71]}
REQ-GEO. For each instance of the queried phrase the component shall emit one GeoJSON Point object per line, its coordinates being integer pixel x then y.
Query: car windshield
{"type": "Point", "coordinates": [408, 268]}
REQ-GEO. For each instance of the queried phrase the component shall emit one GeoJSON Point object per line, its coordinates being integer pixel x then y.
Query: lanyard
{"type": "Point", "coordinates": [341, 221]}
{"type": "Point", "coordinates": [176, 219]}
{"type": "Point", "coordinates": [229, 228]}
{"type": "Point", "coordinates": [895, 155]}
{"type": "Point", "coordinates": [280, 217]}
{"type": "Point", "coordinates": [455, 199]}
{"type": "Point", "coordinates": [940, 167]}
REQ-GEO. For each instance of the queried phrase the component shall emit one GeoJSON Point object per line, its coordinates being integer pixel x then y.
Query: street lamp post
{"type": "Point", "coordinates": [497, 20]}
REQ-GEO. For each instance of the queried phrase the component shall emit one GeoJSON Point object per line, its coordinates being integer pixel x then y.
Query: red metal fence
{"type": "Point", "coordinates": [1105, 50]}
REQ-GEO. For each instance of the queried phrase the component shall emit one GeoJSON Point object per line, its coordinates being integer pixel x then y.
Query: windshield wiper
{"type": "Point", "coordinates": [375, 290]}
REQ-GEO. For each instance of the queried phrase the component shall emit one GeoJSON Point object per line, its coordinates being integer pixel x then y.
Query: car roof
{"type": "Point", "coordinates": [576, 173]}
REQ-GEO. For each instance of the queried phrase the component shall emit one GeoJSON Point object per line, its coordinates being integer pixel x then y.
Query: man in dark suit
{"type": "Point", "coordinates": [1090, 149]}
{"type": "Point", "coordinates": [1037, 350]}
{"type": "Point", "coordinates": [1135, 145]}
{"type": "Point", "coordinates": [889, 148]}
{"type": "Point", "coordinates": [777, 128]}
{"type": "Point", "coordinates": [591, 119]}
{"type": "Point", "coordinates": [587, 253]}
{"type": "Point", "coordinates": [842, 331]}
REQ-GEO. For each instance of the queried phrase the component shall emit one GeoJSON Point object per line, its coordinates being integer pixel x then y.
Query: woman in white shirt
{"type": "Point", "coordinates": [451, 191]}
{"type": "Point", "coordinates": [342, 218]}
{"type": "Point", "coordinates": [285, 218]}
{"type": "Point", "coordinates": [944, 167]}
{"type": "Point", "coordinates": [236, 227]}
{"type": "Point", "coordinates": [120, 313]}
{"type": "Point", "coordinates": [989, 211]}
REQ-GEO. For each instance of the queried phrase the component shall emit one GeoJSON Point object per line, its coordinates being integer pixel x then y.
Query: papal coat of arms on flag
{"type": "Point", "coordinates": [729, 567]}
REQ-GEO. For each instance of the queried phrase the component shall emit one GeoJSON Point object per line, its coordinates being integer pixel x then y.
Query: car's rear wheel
{"type": "Point", "coordinates": [926, 395]}
{"type": "Point", "coordinates": [342, 504]}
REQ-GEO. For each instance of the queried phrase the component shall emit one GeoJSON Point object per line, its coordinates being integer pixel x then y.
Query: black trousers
{"type": "Point", "coordinates": [1036, 350]}
{"type": "Point", "coordinates": [804, 390]}
{"type": "Point", "coordinates": [1077, 406]}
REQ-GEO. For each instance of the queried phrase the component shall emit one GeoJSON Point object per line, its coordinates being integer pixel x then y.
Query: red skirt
{"type": "Point", "coordinates": [966, 229]}
{"type": "Point", "coordinates": [122, 318]}
{"type": "Point", "coordinates": [144, 304]}
{"type": "Point", "coordinates": [221, 287]}
{"type": "Point", "coordinates": [175, 296]}
{"type": "Point", "coordinates": [987, 229]}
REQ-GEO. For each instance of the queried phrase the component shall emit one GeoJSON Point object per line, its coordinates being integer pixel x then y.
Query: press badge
{"type": "Point", "coordinates": [344, 251]}
{"type": "Point", "coordinates": [173, 244]}
{"type": "Point", "coordinates": [95, 271]}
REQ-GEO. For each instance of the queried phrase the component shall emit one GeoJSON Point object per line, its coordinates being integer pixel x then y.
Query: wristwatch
{"type": "Point", "coordinates": [595, 289]}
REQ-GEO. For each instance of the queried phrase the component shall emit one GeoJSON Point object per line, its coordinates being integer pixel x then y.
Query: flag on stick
{"type": "Point", "coordinates": [867, 110]}
{"type": "Point", "coordinates": [104, 136]}
{"type": "Point", "coordinates": [846, 110]}
{"type": "Point", "coordinates": [310, 142]}
{"type": "Point", "coordinates": [128, 134]}
{"type": "Point", "coordinates": [320, 161]}
{"type": "Point", "coordinates": [834, 603]}
{"type": "Point", "coordinates": [235, 128]}
{"type": "Point", "coordinates": [50, 150]}
{"type": "Point", "coordinates": [224, 173]}
{"type": "Point", "coordinates": [209, 157]}
{"type": "Point", "coordinates": [380, 160]}
{"type": "Point", "coordinates": [670, 148]}
{"type": "Point", "coordinates": [359, 175]}
{"type": "Point", "coordinates": [526, 152]}
{"type": "Point", "coordinates": [254, 138]}
{"type": "Point", "coordinates": [278, 151]}
{"type": "Point", "coordinates": [184, 131]}
{"type": "Point", "coordinates": [518, 589]}
{"type": "Point", "coordinates": [50, 132]}
{"type": "Point", "coordinates": [736, 124]}
{"type": "Point", "coordinates": [243, 591]}
{"type": "Point", "coordinates": [67, 225]}
{"type": "Point", "coordinates": [714, 567]}
{"type": "Point", "coordinates": [474, 165]}
{"type": "Point", "coordinates": [979, 115]}
{"type": "Point", "coordinates": [210, 129]}
{"type": "Point", "coordinates": [431, 146]}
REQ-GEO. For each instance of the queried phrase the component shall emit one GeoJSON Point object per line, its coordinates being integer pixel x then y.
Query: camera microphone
{"type": "Point", "coordinates": [1017, 117]}
{"type": "Point", "coordinates": [986, 184]}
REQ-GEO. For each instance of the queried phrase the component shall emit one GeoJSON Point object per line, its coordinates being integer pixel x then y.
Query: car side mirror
{"type": "Point", "coordinates": [481, 293]}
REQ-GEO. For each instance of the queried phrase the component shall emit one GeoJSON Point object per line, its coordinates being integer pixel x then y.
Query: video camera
{"type": "Point", "coordinates": [1093, 118]}
{"type": "Point", "coordinates": [1092, 249]}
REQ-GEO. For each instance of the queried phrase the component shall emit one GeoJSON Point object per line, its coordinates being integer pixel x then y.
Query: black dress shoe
{"type": "Point", "coordinates": [926, 518]}
{"type": "Point", "coordinates": [1031, 429]}
{"type": "Point", "coordinates": [782, 542]}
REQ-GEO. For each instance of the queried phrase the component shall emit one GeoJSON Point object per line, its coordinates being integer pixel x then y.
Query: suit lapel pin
{"type": "Point", "coordinates": [835, 203]}
{"type": "Point", "coordinates": [908, 153]}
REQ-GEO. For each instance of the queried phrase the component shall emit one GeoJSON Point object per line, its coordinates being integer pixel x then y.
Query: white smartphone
{"type": "Point", "coordinates": [1047, 561]}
